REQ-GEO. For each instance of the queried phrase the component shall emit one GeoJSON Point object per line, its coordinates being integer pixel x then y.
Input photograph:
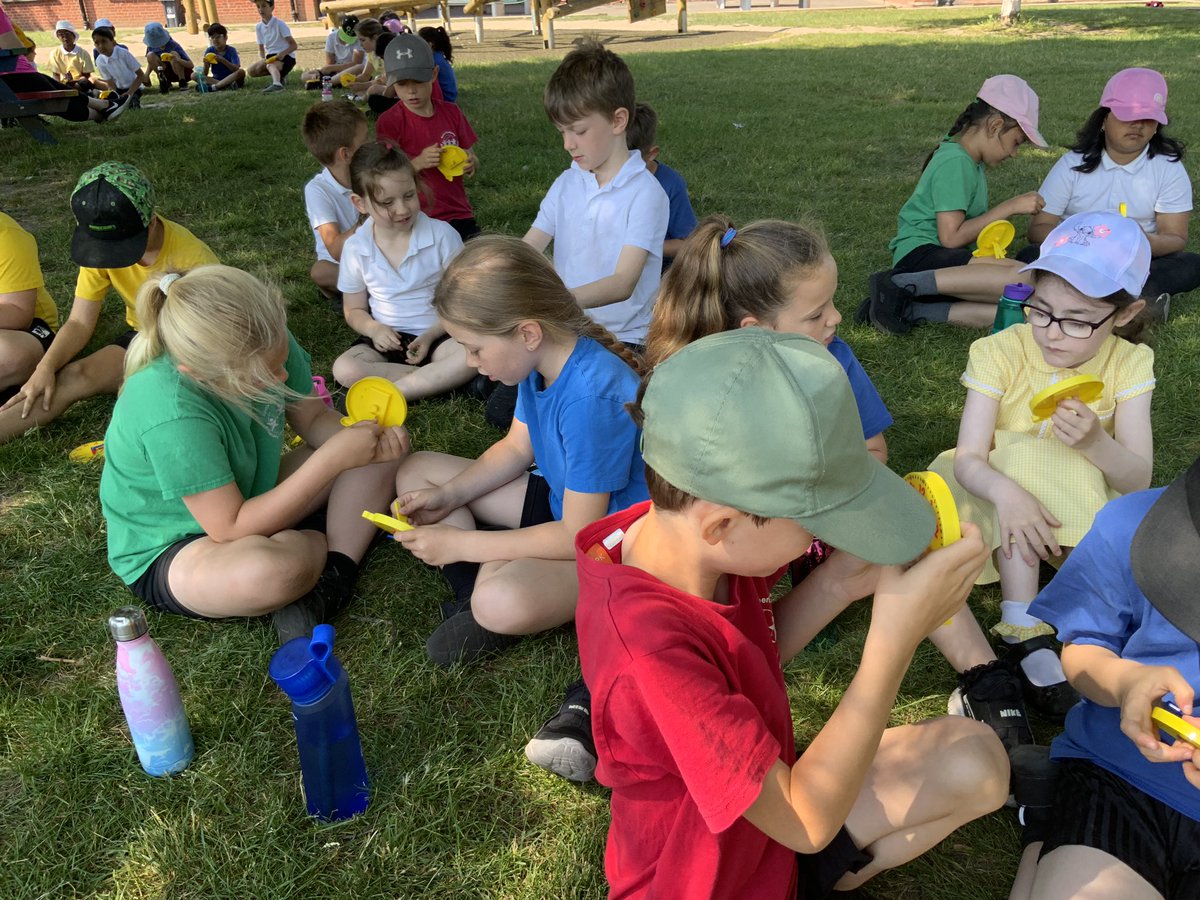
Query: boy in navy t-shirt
{"type": "Point", "coordinates": [222, 66]}
{"type": "Point", "coordinates": [166, 58]}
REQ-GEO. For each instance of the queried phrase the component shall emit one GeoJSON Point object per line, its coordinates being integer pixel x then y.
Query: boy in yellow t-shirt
{"type": "Point", "coordinates": [28, 316]}
{"type": "Point", "coordinates": [70, 63]}
{"type": "Point", "coordinates": [118, 243]}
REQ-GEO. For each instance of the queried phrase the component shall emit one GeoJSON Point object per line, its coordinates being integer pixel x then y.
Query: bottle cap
{"type": "Point", "coordinates": [128, 623]}
{"type": "Point", "coordinates": [305, 668]}
{"type": "Point", "coordinates": [1018, 291]}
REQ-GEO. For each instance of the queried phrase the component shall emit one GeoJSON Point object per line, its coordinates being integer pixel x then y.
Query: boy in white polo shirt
{"type": "Point", "coordinates": [276, 47]}
{"type": "Point", "coordinates": [117, 68]}
{"type": "Point", "coordinates": [607, 215]}
{"type": "Point", "coordinates": [332, 133]}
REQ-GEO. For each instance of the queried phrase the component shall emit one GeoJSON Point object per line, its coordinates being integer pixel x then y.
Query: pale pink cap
{"type": "Point", "coordinates": [1013, 97]}
{"type": "Point", "coordinates": [1134, 94]}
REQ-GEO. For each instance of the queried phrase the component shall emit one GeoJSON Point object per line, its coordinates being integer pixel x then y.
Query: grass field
{"type": "Point", "coordinates": [829, 124]}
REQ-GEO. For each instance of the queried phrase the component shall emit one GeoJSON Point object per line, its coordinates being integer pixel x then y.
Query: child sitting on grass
{"type": "Point", "coordinates": [222, 65]}
{"type": "Point", "coordinates": [166, 58]}
{"type": "Point", "coordinates": [423, 126]}
{"type": "Point", "coordinates": [28, 317]}
{"type": "Point", "coordinates": [934, 276]}
{"type": "Point", "coordinates": [1125, 822]}
{"type": "Point", "coordinates": [332, 132]}
{"type": "Point", "coordinates": [204, 517]}
{"type": "Point", "coordinates": [503, 302]}
{"type": "Point", "coordinates": [641, 136]}
{"type": "Point", "coordinates": [276, 47]}
{"type": "Point", "coordinates": [682, 645]}
{"type": "Point", "coordinates": [70, 63]}
{"type": "Point", "coordinates": [387, 277]}
{"type": "Point", "coordinates": [117, 69]}
{"type": "Point", "coordinates": [342, 52]}
{"type": "Point", "coordinates": [119, 242]}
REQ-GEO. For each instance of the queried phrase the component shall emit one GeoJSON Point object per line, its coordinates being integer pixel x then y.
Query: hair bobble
{"type": "Point", "coordinates": [727, 237]}
{"type": "Point", "coordinates": [164, 283]}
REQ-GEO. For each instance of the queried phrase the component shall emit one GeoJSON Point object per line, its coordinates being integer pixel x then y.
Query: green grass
{"type": "Point", "coordinates": [830, 127]}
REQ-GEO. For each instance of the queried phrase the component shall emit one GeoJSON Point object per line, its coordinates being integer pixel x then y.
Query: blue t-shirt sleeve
{"type": "Point", "coordinates": [599, 441]}
{"type": "Point", "coordinates": [173, 47]}
{"type": "Point", "coordinates": [872, 412]}
{"type": "Point", "coordinates": [682, 219]}
{"type": "Point", "coordinates": [1093, 599]}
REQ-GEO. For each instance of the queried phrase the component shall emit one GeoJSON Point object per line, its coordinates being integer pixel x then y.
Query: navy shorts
{"type": "Point", "coordinates": [536, 510]}
{"type": "Point", "coordinates": [932, 256]}
{"type": "Point", "coordinates": [820, 871]}
{"type": "Point", "coordinates": [42, 331]}
{"type": "Point", "coordinates": [400, 357]}
{"type": "Point", "coordinates": [123, 340]}
{"type": "Point", "coordinates": [1095, 808]}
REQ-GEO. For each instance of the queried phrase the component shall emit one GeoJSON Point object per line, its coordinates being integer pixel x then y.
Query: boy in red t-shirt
{"type": "Point", "coordinates": [682, 645]}
{"type": "Point", "coordinates": [423, 127]}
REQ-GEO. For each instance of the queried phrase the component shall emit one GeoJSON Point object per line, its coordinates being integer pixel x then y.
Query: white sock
{"type": "Point", "coordinates": [1042, 667]}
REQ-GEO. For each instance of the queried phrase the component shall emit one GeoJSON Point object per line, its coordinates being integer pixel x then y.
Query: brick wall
{"type": "Point", "coordinates": [132, 15]}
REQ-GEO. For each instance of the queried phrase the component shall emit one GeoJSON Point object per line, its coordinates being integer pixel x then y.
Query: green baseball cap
{"type": "Point", "coordinates": [766, 423]}
{"type": "Point", "coordinates": [114, 206]}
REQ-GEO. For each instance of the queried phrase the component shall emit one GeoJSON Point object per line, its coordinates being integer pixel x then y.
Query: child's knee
{"type": "Point", "coordinates": [286, 566]}
{"type": "Point", "coordinates": [496, 605]}
{"type": "Point", "coordinates": [974, 768]}
{"type": "Point", "coordinates": [349, 368]}
{"type": "Point", "coordinates": [415, 472]}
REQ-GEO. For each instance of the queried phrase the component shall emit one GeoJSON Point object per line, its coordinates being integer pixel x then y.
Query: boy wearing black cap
{"type": "Point", "coordinates": [682, 645]}
{"type": "Point", "coordinates": [119, 241]}
{"type": "Point", "coordinates": [423, 127]}
{"type": "Point", "coordinates": [1126, 818]}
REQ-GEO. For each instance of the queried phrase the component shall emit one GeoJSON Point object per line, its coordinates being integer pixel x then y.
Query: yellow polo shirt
{"type": "Point", "coordinates": [181, 250]}
{"type": "Point", "coordinates": [20, 270]}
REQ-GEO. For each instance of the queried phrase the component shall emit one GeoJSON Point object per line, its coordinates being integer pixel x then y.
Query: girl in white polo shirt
{"type": "Point", "coordinates": [388, 273]}
{"type": "Point", "coordinates": [1124, 162]}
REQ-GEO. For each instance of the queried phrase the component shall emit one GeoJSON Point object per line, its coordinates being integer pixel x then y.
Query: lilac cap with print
{"type": "Point", "coordinates": [1013, 97]}
{"type": "Point", "coordinates": [1134, 94]}
{"type": "Point", "coordinates": [1097, 253]}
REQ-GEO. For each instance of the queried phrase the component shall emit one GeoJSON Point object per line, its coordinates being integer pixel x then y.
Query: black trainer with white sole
{"type": "Point", "coordinates": [991, 693]}
{"type": "Point", "coordinates": [564, 745]}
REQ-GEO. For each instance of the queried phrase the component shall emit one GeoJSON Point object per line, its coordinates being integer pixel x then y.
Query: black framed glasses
{"type": "Point", "coordinates": [1072, 328]}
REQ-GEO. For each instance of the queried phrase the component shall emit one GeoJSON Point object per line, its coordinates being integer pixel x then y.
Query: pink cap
{"type": "Point", "coordinates": [1097, 253]}
{"type": "Point", "coordinates": [1134, 94]}
{"type": "Point", "coordinates": [1013, 97]}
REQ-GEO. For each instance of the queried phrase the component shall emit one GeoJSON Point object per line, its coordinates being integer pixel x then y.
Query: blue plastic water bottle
{"type": "Point", "coordinates": [1008, 310]}
{"type": "Point", "coordinates": [331, 760]}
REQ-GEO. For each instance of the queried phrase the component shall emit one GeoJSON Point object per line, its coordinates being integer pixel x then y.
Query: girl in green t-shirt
{"type": "Point", "coordinates": [204, 517]}
{"type": "Point", "coordinates": [935, 276]}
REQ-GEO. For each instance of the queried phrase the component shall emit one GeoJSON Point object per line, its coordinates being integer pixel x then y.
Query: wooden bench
{"type": "Point", "coordinates": [544, 12]}
{"type": "Point", "coordinates": [334, 10]}
{"type": "Point", "coordinates": [26, 108]}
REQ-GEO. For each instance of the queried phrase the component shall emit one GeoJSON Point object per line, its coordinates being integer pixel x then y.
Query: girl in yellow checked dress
{"type": "Point", "coordinates": [1033, 487]}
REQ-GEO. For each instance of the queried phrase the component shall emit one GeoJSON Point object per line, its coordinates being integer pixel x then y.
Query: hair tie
{"type": "Point", "coordinates": [164, 283]}
{"type": "Point", "coordinates": [728, 236]}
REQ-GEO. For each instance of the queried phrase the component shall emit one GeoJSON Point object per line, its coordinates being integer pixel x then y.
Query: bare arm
{"type": "Point", "coordinates": [822, 596]}
{"type": "Point", "coordinates": [1041, 225]}
{"type": "Point", "coordinates": [537, 239]}
{"type": "Point", "coordinates": [956, 230]}
{"type": "Point", "coordinates": [333, 239]}
{"type": "Point", "coordinates": [877, 447]}
{"type": "Point", "coordinates": [615, 287]}
{"type": "Point", "coordinates": [805, 806]}
{"type": "Point", "coordinates": [1172, 233]}
{"type": "Point", "coordinates": [1126, 458]}
{"type": "Point", "coordinates": [551, 540]}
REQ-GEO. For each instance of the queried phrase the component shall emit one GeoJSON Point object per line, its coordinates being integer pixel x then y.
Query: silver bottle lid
{"type": "Point", "coordinates": [128, 623]}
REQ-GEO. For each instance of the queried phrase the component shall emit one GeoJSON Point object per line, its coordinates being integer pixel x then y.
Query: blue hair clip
{"type": "Point", "coordinates": [727, 237]}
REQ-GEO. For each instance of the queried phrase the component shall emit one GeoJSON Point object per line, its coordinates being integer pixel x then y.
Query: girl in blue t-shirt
{"type": "Point", "coordinates": [769, 274]}
{"type": "Point", "coordinates": [443, 57]}
{"type": "Point", "coordinates": [935, 277]}
{"type": "Point", "coordinates": [504, 303]}
{"type": "Point", "coordinates": [204, 517]}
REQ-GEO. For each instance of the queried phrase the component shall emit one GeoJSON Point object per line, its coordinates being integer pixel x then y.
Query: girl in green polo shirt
{"type": "Point", "coordinates": [204, 518]}
{"type": "Point", "coordinates": [934, 276]}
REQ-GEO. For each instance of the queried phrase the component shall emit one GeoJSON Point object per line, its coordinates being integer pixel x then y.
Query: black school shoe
{"type": "Point", "coordinates": [991, 693]}
{"type": "Point", "coordinates": [1052, 700]}
{"type": "Point", "coordinates": [564, 744]}
{"type": "Point", "coordinates": [461, 640]}
{"type": "Point", "coordinates": [890, 306]}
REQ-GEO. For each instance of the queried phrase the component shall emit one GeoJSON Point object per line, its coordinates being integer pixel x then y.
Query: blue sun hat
{"type": "Point", "coordinates": [155, 36]}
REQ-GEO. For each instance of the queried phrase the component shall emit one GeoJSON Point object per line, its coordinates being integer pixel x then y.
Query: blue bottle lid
{"type": "Point", "coordinates": [1018, 291]}
{"type": "Point", "coordinates": [305, 668]}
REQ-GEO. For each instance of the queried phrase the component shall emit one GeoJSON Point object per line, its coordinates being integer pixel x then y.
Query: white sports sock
{"type": "Point", "coordinates": [1042, 667]}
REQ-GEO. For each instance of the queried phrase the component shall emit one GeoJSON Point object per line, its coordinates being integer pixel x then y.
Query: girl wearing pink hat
{"type": "Point", "coordinates": [1123, 161]}
{"type": "Point", "coordinates": [935, 277]}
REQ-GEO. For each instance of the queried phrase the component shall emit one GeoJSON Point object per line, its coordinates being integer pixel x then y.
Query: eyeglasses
{"type": "Point", "coordinates": [1072, 328]}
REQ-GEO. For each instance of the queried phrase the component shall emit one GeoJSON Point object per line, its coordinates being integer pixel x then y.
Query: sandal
{"type": "Point", "coordinates": [1052, 700]}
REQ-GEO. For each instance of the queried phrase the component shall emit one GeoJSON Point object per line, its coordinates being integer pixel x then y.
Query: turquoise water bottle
{"type": "Point", "coordinates": [331, 760]}
{"type": "Point", "coordinates": [1008, 310]}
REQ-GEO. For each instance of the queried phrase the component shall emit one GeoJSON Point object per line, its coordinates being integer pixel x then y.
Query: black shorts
{"type": "Point", "coordinates": [123, 340]}
{"type": "Point", "coordinates": [820, 871]}
{"type": "Point", "coordinates": [1095, 808]}
{"type": "Point", "coordinates": [536, 510]}
{"type": "Point", "coordinates": [466, 228]}
{"type": "Point", "coordinates": [286, 65]}
{"type": "Point", "coordinates": [42, 331]}
{"type": "Point", "coordinates": [932, 256]}
{"type": "Point", "coordinates": [400, 356]}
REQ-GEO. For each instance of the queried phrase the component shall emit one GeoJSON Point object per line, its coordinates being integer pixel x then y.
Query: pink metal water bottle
{"type": "Point", "coordinates": [149, 696]}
